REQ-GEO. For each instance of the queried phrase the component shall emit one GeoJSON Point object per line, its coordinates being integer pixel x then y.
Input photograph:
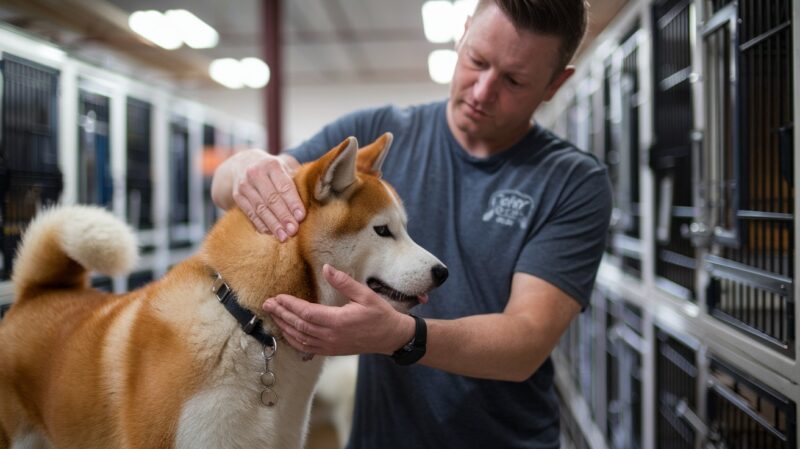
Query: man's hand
{"type": "Point", "coordinates": [367, 324]}
{"type": "Point", "coordinates": [266, 193]}
{"type": "Point", "coordinates": [261, 185]}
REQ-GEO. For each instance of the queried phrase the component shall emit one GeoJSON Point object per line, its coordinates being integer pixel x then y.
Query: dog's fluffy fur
{"type": "Point", "coordinates": [166, 366]}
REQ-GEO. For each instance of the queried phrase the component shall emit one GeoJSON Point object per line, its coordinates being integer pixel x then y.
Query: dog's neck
{"type": "Point", "coordinates": [257, 266]}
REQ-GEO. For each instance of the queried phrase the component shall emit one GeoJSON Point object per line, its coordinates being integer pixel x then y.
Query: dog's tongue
{"type": "Point", "coordinates": [423, 298]}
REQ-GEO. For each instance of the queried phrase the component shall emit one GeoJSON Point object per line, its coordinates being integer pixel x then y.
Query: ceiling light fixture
{"type": "Point", "coordinates": [441, 65]}
{"type": "Point", "coordinates": [234, 74]}
{"type": "Point", "coordinates": [173, 28]}
{"type": "Point", "coordinates": [153, 26]}
{"type": "Point", "coordinates": [194, 32]}
{"type": "Point", "coordinates": [443, 20]}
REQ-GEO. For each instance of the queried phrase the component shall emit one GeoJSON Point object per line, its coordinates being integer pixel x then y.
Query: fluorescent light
{"type": "Point", "coordinates": [193, 31]}
{"type": "Point", "coordinates": [443, 20]}
{"type": "Point", "coordinates": [437, 21]}
{"type": "Point", "coordinates": [226, 71]}
{"type": "Point", "coordinates": [441, 64]}
{"type": "Point", "coordinates": [255, 72]}
{"type": "Point", "coordinates": [154, 26]}
{"type": "Point", "coordinates": [233, 74]}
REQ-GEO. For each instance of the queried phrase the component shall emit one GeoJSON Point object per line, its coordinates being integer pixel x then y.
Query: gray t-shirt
{"type": "Point", "coordinates": [541, 207]}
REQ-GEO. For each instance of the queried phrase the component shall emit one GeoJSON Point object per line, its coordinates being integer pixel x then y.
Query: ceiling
{"type": "Point", "coordinates": [325, 41]}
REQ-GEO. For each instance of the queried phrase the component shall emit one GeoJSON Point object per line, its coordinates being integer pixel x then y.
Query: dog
{"type": "Point", "coordinates": [191, 360]}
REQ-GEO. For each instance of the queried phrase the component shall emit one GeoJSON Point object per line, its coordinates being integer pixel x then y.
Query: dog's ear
{"type": "Point", "coordinates": [338, 169]}
{"type": "Point", "coordinates": [371, 157]}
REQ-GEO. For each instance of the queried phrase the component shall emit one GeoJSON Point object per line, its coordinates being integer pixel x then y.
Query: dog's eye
{"type": "Point", "coordinates": [383, 231]}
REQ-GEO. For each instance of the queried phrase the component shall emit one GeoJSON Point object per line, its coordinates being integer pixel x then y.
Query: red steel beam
{"type": "Point", "coordinates": [271, 46]}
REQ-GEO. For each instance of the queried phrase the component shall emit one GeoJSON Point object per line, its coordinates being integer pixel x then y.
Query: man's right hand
{"type": "Point", "coordinates": [261, 185]}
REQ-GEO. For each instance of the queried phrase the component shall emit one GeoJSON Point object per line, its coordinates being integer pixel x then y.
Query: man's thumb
{"type": "Point", "coordinates": [345, 284]}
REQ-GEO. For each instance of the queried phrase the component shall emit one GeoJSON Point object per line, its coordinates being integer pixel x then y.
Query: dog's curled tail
{"type": "Point", "coordinates": [62, 244]}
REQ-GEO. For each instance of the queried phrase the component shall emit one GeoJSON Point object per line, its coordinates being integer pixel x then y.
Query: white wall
{"type": "Point", "coordinates": [308, 108]}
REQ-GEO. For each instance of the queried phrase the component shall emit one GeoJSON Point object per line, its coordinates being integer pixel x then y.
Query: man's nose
{"type": "Point", "coordinates": [485, 87]}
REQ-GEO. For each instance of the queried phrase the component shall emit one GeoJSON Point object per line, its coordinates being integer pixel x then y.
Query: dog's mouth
{"type": "Point", "coordinates": [392, 294]}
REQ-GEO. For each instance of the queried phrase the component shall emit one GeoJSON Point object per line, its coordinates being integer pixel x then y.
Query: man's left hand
{"type": "Point", "coordinates": [366, 324]}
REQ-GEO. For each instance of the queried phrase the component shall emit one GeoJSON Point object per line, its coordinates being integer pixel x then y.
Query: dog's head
{"type": "Point", "coordinates": [356, 222]}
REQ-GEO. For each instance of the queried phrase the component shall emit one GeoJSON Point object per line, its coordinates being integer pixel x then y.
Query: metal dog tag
{"type": "Point", "coordinates": [268, 379]}
{"type": "Point", "coordinates": [269, 397]}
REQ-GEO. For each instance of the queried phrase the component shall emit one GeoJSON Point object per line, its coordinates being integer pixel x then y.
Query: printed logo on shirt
{"type": "Point", "coordinates": [509, 207]}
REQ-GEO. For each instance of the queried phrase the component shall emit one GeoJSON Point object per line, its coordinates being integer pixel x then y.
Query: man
{"type": "Point", "coordinates": [517, 214]}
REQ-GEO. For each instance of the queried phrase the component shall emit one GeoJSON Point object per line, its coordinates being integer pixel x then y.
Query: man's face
{"type": "Point", "coordinates": [501, 77]}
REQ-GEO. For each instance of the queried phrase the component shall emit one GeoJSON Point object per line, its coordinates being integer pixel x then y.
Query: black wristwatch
{"type": "Point", "coordinates": [414, 349]}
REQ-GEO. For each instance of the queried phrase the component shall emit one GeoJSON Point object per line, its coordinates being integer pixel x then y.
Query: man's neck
{"type": "Point", "coordinates": [481, 146]}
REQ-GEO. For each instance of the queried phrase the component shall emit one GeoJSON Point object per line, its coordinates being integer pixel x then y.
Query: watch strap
{"type": "Point", "coordinates": [412, 351]}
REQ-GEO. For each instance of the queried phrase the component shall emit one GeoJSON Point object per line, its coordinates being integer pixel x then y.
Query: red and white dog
{"type": "Point", "coordinates": [171, 365]}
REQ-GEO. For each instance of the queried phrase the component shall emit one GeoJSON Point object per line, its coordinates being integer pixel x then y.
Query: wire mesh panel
{"type": "Point", "coordinates": [750, 152]}
{"type": "Point", "coordinates": [139, 188]}
{"type": "Point", "coordinates": [742, 413]}
{"type": "Point", "coordinates": [624, 376]}
{"type": "Point", "coordinates": [138, 279]}
{"type": "Point", "coordinates": [95, 185]}
{"type": "Point", "coordinates": [103, 283]}
{"type": "Point", "coordinates": [671, 154]}
{"type": "Point", "coordinates": [30, 178]}
{"type": "Point", "coordinates": [30, 116]}
{"type": "Point", "coordinates": [621, 86]}
{"type": "Point", "coordinates": [215, 149]}
{"type": "Point", "coordinates": [676, 392]}
{"type": "Point", "coordinates": [179, 169]}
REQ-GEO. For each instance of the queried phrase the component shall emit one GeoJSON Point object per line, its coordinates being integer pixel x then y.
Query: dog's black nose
{"type": "Point", "coordinates": [439, 274]}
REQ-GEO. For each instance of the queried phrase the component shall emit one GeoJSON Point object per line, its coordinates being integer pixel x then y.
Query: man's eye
{"type": "Point", "coordinates": [383, 231]}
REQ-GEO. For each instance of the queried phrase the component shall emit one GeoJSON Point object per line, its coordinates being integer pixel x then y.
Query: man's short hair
{"type": "Point", "coordinates": [565, 19]}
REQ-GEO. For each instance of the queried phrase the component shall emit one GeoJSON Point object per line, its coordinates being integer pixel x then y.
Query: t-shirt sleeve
{"type": "Point", "coordinates": [567, 251]}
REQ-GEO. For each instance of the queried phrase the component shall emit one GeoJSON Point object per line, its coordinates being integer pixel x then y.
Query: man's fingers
{"type": "Point", "coordinates": [244, 196]}
{"type": "Point", "coordinates": [274, 208]}
{"type": "Point", "coordinates": [288, 191]}
{"type": "Point", "coordinates": [303, 341]}
{"type": "Point", "coordinates": [346, 285]}
{"type": "Point", "coordinates": [310, 317]}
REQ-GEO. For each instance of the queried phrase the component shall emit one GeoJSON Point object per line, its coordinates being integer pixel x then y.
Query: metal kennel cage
{"type": "Point", "coordinates": [95, 185]}
{"type": "Point", "coordinates": [671, 153]}
{"type": "Point", "coordinates": [748, 159]}
{"type": "Point", "coordinates": [139, 189]}
{"type": "Point", "coordinates": [676, 391]}
{"type": "Point", "coordinates": [180, 166]}
{"type": "Point", "coordinates": [622, 89]}
{"type": "Point", "coordinates": [743, 413]}
{"type": "Point", "coordinates": [30, 177]}
{"type": "Point", "coordinates": [139, 278]}
{"type": "Point", "coordinates": [624, 362]}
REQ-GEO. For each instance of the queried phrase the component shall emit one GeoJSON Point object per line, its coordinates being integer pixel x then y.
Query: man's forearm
{"type": "Point", "coordinates": [494, 346]}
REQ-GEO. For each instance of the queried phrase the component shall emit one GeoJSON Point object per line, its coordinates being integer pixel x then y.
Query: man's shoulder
{"type": "Point", "coordinates": [560, 151]}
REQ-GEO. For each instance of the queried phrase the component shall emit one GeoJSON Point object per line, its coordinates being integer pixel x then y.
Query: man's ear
{"type": "Point", "coordinates": [338, 170]}
{"type": "Point", "coordinates": [557, 81]}
{"type": "Point", "coordinates": [371, 157]}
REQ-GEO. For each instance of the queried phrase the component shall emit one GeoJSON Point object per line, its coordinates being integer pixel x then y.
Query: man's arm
{"type": "Point", "coordinates": [261, 185]}
{"type": "Point", "coordinates": [503, 346]}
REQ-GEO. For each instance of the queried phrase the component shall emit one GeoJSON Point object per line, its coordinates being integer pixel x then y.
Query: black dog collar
{"type": "Point", "coordinates": [249, 322]}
